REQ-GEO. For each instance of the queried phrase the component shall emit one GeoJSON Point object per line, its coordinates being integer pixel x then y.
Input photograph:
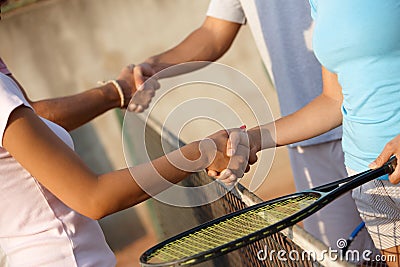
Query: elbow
{"type": "Point", "coordinates": [92, 207]}
{"type": "Point", "coordinates": [95, 215]}
{"type": "Point", "coordinates": [97, 209]}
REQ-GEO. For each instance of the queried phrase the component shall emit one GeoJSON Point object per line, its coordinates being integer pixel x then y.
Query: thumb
{"type": "Point", "coordinates": [139, 77]}
{"type": "Point", "coordinates": [381, 159]}
{"type": "Point", "coordinates": [232, 143]}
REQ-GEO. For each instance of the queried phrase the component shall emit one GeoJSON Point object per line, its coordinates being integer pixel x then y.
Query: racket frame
{"type": "Point", "coordinates": [327, 193]}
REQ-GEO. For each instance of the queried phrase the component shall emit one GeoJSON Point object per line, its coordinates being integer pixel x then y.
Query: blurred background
{"type": "Point", "coordinates": [61, 47]}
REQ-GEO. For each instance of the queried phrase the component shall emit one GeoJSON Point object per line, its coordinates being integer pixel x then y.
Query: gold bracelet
{"type": "Point", "coordinates": [119, 90]}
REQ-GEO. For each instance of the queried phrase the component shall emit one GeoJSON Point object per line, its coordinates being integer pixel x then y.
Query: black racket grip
{"type": "Point", "coordinates": [391, 164]}
{"type": "Point", "coordinates": [387, 168]}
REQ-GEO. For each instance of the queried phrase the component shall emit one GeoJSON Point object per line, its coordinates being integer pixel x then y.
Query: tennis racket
{"type": "Point", "coordinates": [243, 227]}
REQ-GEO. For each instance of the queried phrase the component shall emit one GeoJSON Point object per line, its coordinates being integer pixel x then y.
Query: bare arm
{"type": "Point", "coordinates": [62, 172]}
{"type": "Point", "coordinates": [73, 111]}
{"type": "Point", "coordinates": [319, 116]}
{"type": "Point", "coordinates": [207, 43]}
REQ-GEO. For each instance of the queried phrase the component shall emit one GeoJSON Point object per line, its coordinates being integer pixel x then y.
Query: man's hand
{"type": "Point", "coordinates": [146, 86]}
{"type": "Point", "coordinates": [125, 79]}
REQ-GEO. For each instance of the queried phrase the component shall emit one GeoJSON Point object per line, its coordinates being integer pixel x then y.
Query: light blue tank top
{"type": "Point", "coordinates": [360, 41]}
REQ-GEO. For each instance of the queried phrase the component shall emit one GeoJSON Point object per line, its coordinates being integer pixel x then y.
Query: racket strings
{"type": "Point", "coordinates": [231, 229]}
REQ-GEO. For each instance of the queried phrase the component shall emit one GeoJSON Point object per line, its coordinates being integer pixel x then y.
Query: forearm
{"type": "Point", "coordinates": [63, 173]}
{"type": "Point", "coordinates": [71, 112]}
{"type": "Point", "coordinates": [207, 43]}
{"type": "Point", "coordinates": [59, 169]}
{"type": "Point", "coordinates": [198, 46]}
{"type": "Point", "coordinates": [124, 188]}
{"type": "Point", "coordinates": [319, 116]}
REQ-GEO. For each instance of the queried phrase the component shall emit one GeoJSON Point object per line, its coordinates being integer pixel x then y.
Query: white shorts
{"type": "Point", "coordinates": [378, 202]}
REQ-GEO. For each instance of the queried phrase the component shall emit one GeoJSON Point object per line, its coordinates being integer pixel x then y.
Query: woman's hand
{"type": "Point", "coordinates": [390, 149]}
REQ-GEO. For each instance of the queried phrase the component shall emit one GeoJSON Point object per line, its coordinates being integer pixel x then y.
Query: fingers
{"type": "Point", "coordinates": [127, 71]}
{"type": "Point", "coordinates": [130, 67]}
{"type": "Point", "coordinates": [146, 87]}
{"type": "Point", "coordinates": [139, 78]}
{"type": "Point", "coordinates": [232, 180]}
{"type": "Point", "coordinates": [390, 149]}
{"type": "Point", "coordinates": [135, 108]}
{"type": "Point", "coordinates": [227, 177]}
{"type": "Point", "coordinates": [150, 83]}
{"type": "Point", "coordinates": [141, 100]}
{"type": "Point", "coordinates": [252, 157]}
{"type": "Point", "coordinates": [225, 174]}
{"type": "Point", "coordinates": [142, 72]}
{"type": "Point", "coordinates": [233, 142]}
{"type": "Point", "coordinates": [386, 153]}
{"type": "Point", "coordinates": [212, 173]}
{"type": "Point", "coordinates": [237, 166]}
{"type": "Point", "coordinates": [125, 79]}
{"type": "Point", "coordinates": [236, 137]}
{"type": "Point", "coordinates": [394, 178]}
{"type": "Point", "coordinates": [238, 163]}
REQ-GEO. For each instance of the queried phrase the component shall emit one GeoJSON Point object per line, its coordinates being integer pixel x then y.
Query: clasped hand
{"type": "Point", "coordinates": [232, 152]}
{"type": "Point", "coordinates": [140, 87]}
{"type": "Point", "coordinates": [235, 154]}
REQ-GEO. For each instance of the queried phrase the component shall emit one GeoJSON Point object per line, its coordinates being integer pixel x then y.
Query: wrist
{"type": "Point", "coordinates": [156, 64]}
{"type": "Point", "coordinates": [126, 92]}
{"type": "Point", "coordinates": [255, 141]}
{"type": "Point", "coordinates": [151, 61]}
{"type": "Point", "coordinates": [115, 92]}
{"type": "Point", "coordinates": [267, 137]}
{"type": "Point", "coordinates": [262, 137]}
{"type": "Point", "coordinates": [195, 156]}
{"type": "Point", "coordinates": [111, 95]}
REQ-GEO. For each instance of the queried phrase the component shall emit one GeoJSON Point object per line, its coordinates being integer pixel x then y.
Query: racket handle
{"type": "Point", "coordinates": [392, 163]}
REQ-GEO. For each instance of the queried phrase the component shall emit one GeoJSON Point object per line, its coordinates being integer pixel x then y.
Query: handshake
{"type": "Point", "coordinates": [226, 154]}
{"type": "Point", "coordinates": [137, 87]}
